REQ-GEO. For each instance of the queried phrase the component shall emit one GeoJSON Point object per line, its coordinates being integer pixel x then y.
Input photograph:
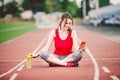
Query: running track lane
{"type": "Point", "coordinates": [106, 52]}
{"type": "Point", "coordinates": [82, 72]}
{"type": "Point", "coordinates": [38, 69]}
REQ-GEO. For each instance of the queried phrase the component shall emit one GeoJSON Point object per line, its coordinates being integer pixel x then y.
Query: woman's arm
{"type": "Point", "coordinates": [75, 40]}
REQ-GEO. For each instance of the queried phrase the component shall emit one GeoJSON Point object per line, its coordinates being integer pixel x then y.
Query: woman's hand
{"type": "Point", "coordinates": [34, 55]}
{"type": "Point", "coordinates": [82, 46]}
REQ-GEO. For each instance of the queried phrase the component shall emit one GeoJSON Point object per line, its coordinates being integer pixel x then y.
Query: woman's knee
{"type": "Point", "coordinates": [77, 55]}
{"type": "Point", "coordinates": [44, 55]}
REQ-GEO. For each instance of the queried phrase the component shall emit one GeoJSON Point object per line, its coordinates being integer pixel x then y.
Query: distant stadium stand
{"type": "Point", "coordinates": [105, 15]}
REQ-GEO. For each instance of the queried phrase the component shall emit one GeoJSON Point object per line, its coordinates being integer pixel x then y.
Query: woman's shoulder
{"type": "Point", "coordinates": [74, 31]}
{"type": "Point", "coordinates": [52, 32]}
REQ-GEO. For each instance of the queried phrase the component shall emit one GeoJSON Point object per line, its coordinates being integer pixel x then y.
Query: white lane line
{"type": "Point", "coordinates": [42, 42]}
{"type": "Point", "coordinates": [13, 76]}
{"type": "Point", "coordinates": [102, 59]}
{"type": "Point", "coordinates": [9, 71]}
{"type": "Point", "coordinates": [114, 78]}
{"type": "Point", "coordinates": [12, 29]}
{"type": "Point", "coordinates": [96, 74]}
{"type": "Point", "coordinates": [20, 67]}
{"type": "Point", "coordinates": [10, 60]}
{"type": "Point", "coordinates": [106, 69]}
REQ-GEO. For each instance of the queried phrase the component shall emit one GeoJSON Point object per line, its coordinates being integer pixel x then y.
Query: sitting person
{"type": "Point", "coordinates": [64, 38]}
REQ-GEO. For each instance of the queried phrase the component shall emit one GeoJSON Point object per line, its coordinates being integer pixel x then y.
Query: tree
{"type": "Point", "coordinates": [87, 7]}
{"type": "Point", "coordinates": [63, 6]}
{"type": "Point", "coordinates": [1, 9]}
{"type": "Point", "coordinates": [73, 9]}
{"type": "Point", "coordinates": [11, 8]}
{"type": "Point", "coordinates": [53, 5]}
{"type": "Point", "coordinates": [103, 3]}
{"type": "Point", "coordinates": [34, 5]}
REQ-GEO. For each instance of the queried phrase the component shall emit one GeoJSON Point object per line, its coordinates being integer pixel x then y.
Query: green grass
{"type": "Point", "coordinates": [9, 31]}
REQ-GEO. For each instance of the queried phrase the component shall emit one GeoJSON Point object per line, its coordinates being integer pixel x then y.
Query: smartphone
{"type": "Point", "coordinates": [83, 43]}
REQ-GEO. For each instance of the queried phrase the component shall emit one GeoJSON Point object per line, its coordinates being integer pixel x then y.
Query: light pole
{"type": "Point", "coordinates": [97, 4]}
{"type": "Point", "coordinates": [84, 9]}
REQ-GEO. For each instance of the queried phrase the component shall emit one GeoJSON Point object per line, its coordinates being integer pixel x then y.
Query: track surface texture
{"type": "Point", "coordinates": [101, 60]}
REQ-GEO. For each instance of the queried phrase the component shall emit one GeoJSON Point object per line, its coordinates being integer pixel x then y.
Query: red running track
{"type": "Point", "coordinates": [105, 52]}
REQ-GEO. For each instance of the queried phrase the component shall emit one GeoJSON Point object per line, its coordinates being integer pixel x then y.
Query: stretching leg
{"type": "Point", "coordinates": [47, 56]}
{"type": "Point", "coordinates": [74, 57]}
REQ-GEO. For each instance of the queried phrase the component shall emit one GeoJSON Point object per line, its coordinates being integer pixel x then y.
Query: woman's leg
{"type": "Point", "coordinates": [47, 56]}
{"type": "Point", "coordinates": [74, 57]}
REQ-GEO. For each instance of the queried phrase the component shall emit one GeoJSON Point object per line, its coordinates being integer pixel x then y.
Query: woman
{"type": "Point", "coordinates": [64, 38]}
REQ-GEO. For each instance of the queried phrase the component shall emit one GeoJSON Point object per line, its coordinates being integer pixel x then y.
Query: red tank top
{"type": "Point", "coordinates": [62, 47]}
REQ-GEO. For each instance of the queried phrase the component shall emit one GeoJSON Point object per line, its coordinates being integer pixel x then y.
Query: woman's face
{"type": "Point", "coordinates": [66, 24]}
